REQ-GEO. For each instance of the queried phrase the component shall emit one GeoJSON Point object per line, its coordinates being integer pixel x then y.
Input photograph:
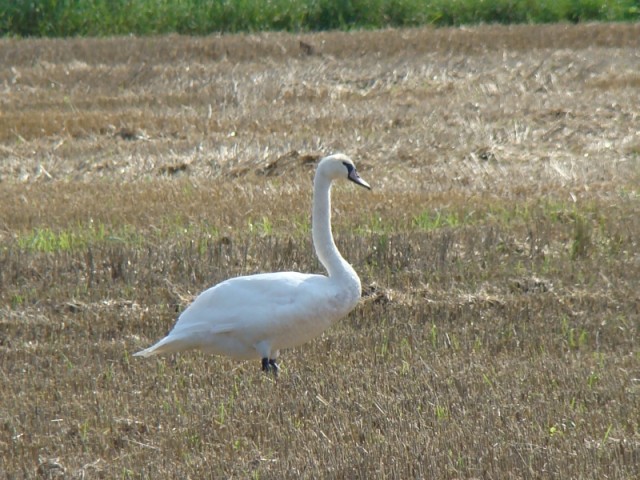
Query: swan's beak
{"type": "Point", "coordinates": [354, 177]}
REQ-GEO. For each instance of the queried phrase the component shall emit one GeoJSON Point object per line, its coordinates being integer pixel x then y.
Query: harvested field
{"type": "Point", "coordinates": [498, 332]}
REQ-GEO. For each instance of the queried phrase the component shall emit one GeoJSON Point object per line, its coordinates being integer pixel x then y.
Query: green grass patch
{"type": "Point", "coordinates": [63, 18]}
{"type": "Point", "coordinates": [49, 240]}
{"type": "Point", "coordinates": [505, 214]}
{"type": "Point", "coordinates": [432, 220]}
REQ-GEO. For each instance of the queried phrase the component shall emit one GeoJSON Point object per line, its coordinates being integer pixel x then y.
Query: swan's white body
{"type": "Point", "coordinates": [255, 316]}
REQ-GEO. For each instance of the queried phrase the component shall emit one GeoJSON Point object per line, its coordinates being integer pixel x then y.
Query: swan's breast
{"type": "Point", "coordinates": [314, 312]}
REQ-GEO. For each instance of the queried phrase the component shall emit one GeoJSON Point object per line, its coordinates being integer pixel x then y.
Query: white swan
{"type": "Point", "coordinates": [255, 316]}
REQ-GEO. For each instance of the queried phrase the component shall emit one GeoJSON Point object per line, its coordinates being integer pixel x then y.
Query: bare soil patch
{"type": "Point", "coordinates": [498, 332]}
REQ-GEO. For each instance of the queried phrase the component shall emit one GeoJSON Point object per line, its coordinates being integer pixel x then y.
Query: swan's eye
{"type": "Point", "coordinates": [349, 166]}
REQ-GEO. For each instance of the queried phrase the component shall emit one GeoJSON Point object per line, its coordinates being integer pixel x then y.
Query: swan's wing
{"type": "Point", "coordinates": [283, 309]}
{"type": "Point", "coordinates": [253, 294]}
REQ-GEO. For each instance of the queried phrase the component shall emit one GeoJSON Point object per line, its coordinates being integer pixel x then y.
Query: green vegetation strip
{"type": "Point", "coordinates": [174, 228]}
{"type": "Point", "coordinates": [63, 18]}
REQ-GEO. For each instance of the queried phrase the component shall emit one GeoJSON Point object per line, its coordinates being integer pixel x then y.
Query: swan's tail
{"type": "Point", "coordinates": [168, 344]}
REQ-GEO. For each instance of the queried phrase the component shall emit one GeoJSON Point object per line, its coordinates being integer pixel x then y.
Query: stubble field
{"type": "Point", "coordinates": [498, 332]}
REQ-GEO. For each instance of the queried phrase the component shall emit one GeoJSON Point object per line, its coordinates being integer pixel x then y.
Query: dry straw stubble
{"type": "Point", "coordinates": [497, 337]}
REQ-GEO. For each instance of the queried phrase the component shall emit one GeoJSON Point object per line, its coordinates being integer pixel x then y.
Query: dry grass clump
{"type": "Point", "coordinates": [497, 336]}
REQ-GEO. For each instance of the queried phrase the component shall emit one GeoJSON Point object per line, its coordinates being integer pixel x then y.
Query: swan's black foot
{"type": "Point", "coordinates": [270, 365]}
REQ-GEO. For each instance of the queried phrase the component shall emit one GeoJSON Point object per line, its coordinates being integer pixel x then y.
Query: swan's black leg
{"type": "Point", "coordinates": [270, 365]}
{"type": "Point", "coordinates": [274, 366]}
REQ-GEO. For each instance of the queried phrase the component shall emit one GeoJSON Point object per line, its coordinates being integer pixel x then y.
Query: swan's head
{"type": "Point", "coordinates": [340, 166]}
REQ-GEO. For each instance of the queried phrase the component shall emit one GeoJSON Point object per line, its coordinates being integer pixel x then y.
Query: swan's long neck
{"type": "Point", "coordinates": [326, 249]}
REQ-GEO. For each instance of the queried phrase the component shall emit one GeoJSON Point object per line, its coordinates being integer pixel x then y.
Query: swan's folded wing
{"type": "Point", "coordinates": [225, 306]}
{"type": "Point", "coordinates": [263, 306]}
